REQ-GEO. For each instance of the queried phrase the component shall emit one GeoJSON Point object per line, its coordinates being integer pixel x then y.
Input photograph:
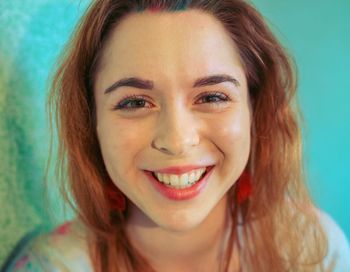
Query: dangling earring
{"type": "Point", "coordinates": [115, 197]}
{"type": "Point", "coordinates": [244, 187]}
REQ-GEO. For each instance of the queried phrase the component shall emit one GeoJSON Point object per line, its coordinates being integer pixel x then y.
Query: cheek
{"type": "Point", "coordinates": [120, 141]}
{"type": "Point", "coordinates": [233, 129]}
{"type": "Point", "coordinates": [232, 137]}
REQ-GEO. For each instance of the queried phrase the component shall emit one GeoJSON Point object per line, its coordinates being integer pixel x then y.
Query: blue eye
{"type": "Point", "coordinates": [135, 102]}
{"type": "Point", "coordinates": [131, 103]}
{"type": "Point", "coordinates": [214, 97]}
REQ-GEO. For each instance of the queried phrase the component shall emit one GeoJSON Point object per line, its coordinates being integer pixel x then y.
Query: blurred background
{"type": "Point", "coordinates": [32, 33]}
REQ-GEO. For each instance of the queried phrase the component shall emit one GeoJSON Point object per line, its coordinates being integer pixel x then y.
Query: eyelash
{"type": "Point", "coordinates": [122, 105]}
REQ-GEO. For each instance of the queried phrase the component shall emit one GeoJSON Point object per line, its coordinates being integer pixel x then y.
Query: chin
{"type": "Point", "coordinates": [181, 220]}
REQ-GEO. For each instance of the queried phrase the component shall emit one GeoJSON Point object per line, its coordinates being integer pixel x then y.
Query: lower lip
{"type": "Point", "coordinates": [184, 193]}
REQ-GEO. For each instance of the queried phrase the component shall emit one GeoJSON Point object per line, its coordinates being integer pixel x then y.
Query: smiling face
{"type": "Point", "coordinates": [170, 92]}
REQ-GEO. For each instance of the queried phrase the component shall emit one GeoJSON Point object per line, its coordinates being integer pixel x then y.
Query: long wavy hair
{"type": "Point", "coordinates": [280, 227]}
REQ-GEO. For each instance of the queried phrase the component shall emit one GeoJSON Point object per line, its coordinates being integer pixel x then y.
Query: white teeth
{"type": "Point", "coordinates": [165, 179]}
{"type": "Point", "coordinates": [181, 181]}
{"type": "Point", "coordinates": [174, 181]}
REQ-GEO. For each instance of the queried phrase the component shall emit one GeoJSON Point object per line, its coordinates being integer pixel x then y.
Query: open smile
{"type": "Point", "coordinates": [180, 187]}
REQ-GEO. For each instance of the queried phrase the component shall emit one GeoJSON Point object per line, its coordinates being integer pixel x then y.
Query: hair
{"type": "Point", "coordinates": [281, 229]}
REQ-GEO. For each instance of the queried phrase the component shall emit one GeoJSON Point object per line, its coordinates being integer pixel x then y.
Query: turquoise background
{"type": "Point", "coordinates": [32, 33]}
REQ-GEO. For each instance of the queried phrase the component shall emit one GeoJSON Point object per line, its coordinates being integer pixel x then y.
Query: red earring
{"type": "Point", "coordinates": [115, 197]}
{"type": "Point", "coordinates": [244, 187]}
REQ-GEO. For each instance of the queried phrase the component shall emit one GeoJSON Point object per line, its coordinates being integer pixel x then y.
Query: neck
{"type": "Point", "coordinates": [190, 250]}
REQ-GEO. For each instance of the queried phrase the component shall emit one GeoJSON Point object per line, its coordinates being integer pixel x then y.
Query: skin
{"type": "Point", "coordinates": [176, 126]}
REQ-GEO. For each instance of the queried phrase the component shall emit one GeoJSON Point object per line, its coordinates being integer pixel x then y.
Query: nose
{"type": "Point", "coordinates": [176, 132]}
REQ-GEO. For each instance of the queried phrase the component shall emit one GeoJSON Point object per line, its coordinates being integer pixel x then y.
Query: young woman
{"type": "Point", "coordinates": [180, 147]}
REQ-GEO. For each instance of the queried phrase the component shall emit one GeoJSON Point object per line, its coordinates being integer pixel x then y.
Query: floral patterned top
{"type": "Point", "coordinates": [65, 249]}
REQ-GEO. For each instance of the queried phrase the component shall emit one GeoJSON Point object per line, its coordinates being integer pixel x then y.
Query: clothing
{"type": "Point", "coordinates": [65, 249]}
{"type": "Point", "coordinates": [338, 245]}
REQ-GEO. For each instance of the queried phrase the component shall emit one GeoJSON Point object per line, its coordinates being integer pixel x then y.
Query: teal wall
{"type": "Point", "coordinates": [317, 34]}
{"type": "Point", "coordinates": [32, 33]}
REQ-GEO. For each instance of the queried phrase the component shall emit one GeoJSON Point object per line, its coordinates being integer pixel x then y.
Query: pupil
{"type": "Point", "coordinates": [211, 99]}
{"type": "Point", "coordinates": [139, 103]}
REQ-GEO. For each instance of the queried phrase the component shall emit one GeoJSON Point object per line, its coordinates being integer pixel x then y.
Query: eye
{"type": "Point", "coordinates": [132, 103]}
{"type": "Point", "coordinates": [213, 97]}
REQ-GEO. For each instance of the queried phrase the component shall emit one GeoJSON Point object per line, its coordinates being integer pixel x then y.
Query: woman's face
{"type": "Point", "coordinates": [171, 93]}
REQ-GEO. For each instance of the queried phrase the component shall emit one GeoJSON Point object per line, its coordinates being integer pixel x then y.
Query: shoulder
{"type": "Point", "coordinates": [338, 245]}
{"type": "Point", "coordinates": [63, 249]}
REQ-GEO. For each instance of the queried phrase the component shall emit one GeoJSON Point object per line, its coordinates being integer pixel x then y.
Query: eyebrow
{"type": "Point", "coordinates": [215, 79]}
{"type": "Point", "coordinates": [148, 84]}
{"type": "Point", "coordinates": [131, 82]}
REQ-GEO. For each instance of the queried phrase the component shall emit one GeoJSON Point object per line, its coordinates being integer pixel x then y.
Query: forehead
{"type": "Point", "coordinates": [185, 42]}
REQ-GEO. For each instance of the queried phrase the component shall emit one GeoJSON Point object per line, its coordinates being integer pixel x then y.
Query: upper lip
{"type": "Point", "coordinates": [178, 170]}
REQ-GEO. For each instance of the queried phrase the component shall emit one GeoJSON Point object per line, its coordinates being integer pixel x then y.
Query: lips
{"type": "Point", "coordinates": [185, 193]}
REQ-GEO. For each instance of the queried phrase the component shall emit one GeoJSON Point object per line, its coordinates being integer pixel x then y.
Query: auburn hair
{"type": "Point", "coordinates": [280, 228]}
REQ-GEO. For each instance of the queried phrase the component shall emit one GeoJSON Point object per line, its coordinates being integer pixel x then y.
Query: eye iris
{"type": "Point", "coordinates": [135, 103]}
{"type": "Point", "coordinates": [139, 102]}
{"type": "Point", "coordinates": [212, 98]}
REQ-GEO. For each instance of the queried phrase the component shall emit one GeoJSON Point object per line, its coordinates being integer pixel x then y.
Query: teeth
{"type": "Point", "coordinates": [180, 181]}
{"type": "Point", "coordinates": [174, 181]}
